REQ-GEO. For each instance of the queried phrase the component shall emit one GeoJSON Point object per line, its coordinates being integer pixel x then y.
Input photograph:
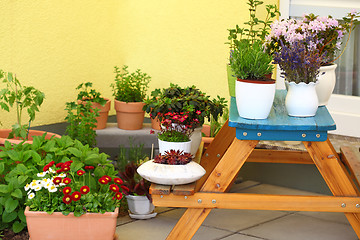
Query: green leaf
{"type": "Point", "coordinates": [21, 215]}
{"type": "Point", "coordinates": [11, 204]}
{"type": "Point", "coordinates": [22, 179]}
{"type": "Point", "coordinates": [35, 156]}
{"type": "Point", "coordinates": [75, 152]}
{"type": "Point", "coordinates": [18, 226]}
{"type": "Point", "coordinates": [17, 193]}
{"type": "Point", "coordinates": [4, 188]}
{"type": "Point", "coordinates": [2, 167]}
{"type": "Point", "coordinates": [8, 216]}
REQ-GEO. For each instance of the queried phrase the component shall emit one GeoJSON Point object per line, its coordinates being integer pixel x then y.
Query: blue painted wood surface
{"type": "Point", "coordinates": [280, 126]}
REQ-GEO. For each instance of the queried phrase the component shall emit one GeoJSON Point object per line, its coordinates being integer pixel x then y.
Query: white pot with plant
{"type": "Point", "coordinates": [174, 167]}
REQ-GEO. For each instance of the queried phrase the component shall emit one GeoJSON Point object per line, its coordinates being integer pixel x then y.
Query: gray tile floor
{"type": "Point", "coordinates": [245, 224]}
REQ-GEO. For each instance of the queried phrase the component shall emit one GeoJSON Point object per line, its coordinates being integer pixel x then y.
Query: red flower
{"type": "Point", "coordinates": [84, 189]}
{"type": "Point", "coordinates": [103, 180]}
{"type": "Point", "coordinates": [65, 168]}
{"type": "Point", "coordinates": [89, 167]}
{"type": "Point", "coordinates": [67, 199]}
{"type": "Point", "coordinates": [152, 132]}
{"type": "Point", "coordinates": [114, 187]}
{"type": "Point", "coordinates": [51, 163]}
{"type": "Point", "coordinates": [57, 180]}
{"type": "Point", "coordinates": [118, 181]}
{"type": "Point", "coordinates": [118, 196]}
{"type": "Point", "coordinates": [126, 189]}
{"type": "Point", "coordinates": [59, 165]}
{"type": "Point", "coordinates": [67, 190]}
{"type": "Point", "coordinates": [107, 177]}
{"type": "Point", "coordinates": [46, 167]}
{"type": "Point", "coordinates": [75, 196]}
{"type": "Point", "coordinates": [59, 171]}
{"type": "Point", "coordinates": [80, 172]}
{"type": "Point", "coordinates": [66, 180]}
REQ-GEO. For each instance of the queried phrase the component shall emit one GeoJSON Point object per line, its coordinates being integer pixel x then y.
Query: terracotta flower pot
{"type": "Point", "coordinates": [155, 123]}
{"type": "Point", "coordinates": [101, 120]}
{"type": "Point", "coordinates": [56, 226]}
{"type": "Point", "coordinates": [207, 139]}
{"type": "Point", "coordinates": [4, 133]}
{"type": "Point", "coordinates": [129, 116]}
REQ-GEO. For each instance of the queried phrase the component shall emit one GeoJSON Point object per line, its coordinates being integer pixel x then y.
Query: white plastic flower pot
{"type": "Point", "coordinates": [254, 99]}
{"type": "Point", "coordinates": [139, 205]}
{"type": "Point", "coordinates": [171, 174]}
{"type": "Point", "coordinates": [326, 83]}
{"type": "Point", "coordinates": [167, 146]}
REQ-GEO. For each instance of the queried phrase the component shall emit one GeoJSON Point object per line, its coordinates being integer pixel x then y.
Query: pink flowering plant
{"type": "Point", "coordinates": [177, 127]}
{"type": "Point", "coordinates": [326, 32]}
{"type": "Point", "coordinates": [76, 179]}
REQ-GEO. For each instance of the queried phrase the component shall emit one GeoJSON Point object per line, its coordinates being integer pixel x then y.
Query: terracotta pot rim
{"type": "Point", "coordinates": [32, 133]}
{"type": "Point", "coordinates": [270, 81]}
{"type": "Point", "coordinates": [41, 213]}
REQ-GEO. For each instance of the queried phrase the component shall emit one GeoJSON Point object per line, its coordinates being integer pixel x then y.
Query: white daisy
{"type": "Point", "coordinates": [52, 170]}
{"type": "Point", "coordinates": [62, 175]}
{"type": "Point", "coordinates": [48, 184]}
{"type": "Point", "coordinates": [52, 188]}
{"type": "Point", "coordinates": [31, 195]}
{"type": "Point", "coordinates": [27, 187]}
{"type": "Point", "coordinates": [37, 188]}
{"type": "Point", "coordinates": [41, 174]}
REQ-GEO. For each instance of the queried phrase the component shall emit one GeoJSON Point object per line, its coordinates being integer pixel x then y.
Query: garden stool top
{"type": "Point", "coordinates": [280, 126]}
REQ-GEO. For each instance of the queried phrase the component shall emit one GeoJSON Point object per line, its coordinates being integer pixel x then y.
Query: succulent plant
{"type": "Point", "coordinates": [173, 157]}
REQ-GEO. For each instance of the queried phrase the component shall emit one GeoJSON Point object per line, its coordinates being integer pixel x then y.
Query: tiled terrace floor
{"type": "Point", "coordinates": [245, 224]}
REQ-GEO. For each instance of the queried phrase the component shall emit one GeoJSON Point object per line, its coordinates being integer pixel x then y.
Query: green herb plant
{"type": "Point", "coordinates": [22, 98]}
{"type": "Point", "coordinates": [130, 87]}
{"type": "Point", "coordinates": [81, 116]}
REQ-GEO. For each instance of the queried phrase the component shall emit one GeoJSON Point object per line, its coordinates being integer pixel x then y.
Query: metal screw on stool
{"type": "Point", "coordinates": [213, 201]}
{"type": "Point", "coordinates": [357, 205]}
{"type": "Point", "coordinates": [199, 201]}
{"type": "Point", "coordinates": [343, 205]}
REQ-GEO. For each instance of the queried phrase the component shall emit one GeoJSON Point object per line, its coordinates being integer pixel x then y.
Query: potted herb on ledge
{"type": "Point", "coordinates": [174, 167]}
{"type": "Point", "coordinates": [129, 91]}
{"type": "Point", "coordinates": [255, 90]}
{"type": "Point", "coordinates": [22, 98]}
{"type": "Point", "coordinates": [197, 104]}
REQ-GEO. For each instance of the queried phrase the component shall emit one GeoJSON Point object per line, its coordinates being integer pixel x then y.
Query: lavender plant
{"type": "Point", "coordinates": [299, 61]}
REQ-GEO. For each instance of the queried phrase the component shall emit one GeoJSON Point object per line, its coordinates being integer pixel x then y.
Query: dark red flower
{"type": "Point", "coordinates": [66, 180]}
{"type": "Point", "coordinates": [80, 172]}
{"type": "Point", "coordinates": [67, 190]}
{"type": "Point", "coordinates": [126, 189]}
{"type": "Point", "coordinates": [84, 189]}
{"type": "Point", "coordinates": [67, 199]}
{"type": "Point", "coordinates": [118, 196]}
{"type": "Point", "coordinates": [65, 168]}
{"type": "Point", "coordinates": [46, 167]}
{"type": "Point", "coordinates": [114, 187]}
{"type": "Point", "coordinates": [75, 196]}
{"type": "Point", "coordinates": [57, 180]}
{"type": "Point", "coordinates": [51, 163]}
{"type": "Point", "coordinates": [59, 171]}
{"type": "Point", "coordinates": [89, 167]}
{"type": "Point", "coordinates": [59, 165]}
{"type": "Point", "coordinates": [107, 178]}
{"type": "Point", "coordinates": [118, 181]}
{"type": "Point", "coordinates": [103, 180]}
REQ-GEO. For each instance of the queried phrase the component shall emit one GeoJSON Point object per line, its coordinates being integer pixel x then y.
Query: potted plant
{"type": "Point", "coordinates": [300, 61]}
{"type": "Point", "coordinates": [210, 130]}
{"type": "Point", "coordinates": [328, 35]}
{"type": "Point", "coordinates": [75, 190]}
{"type": "Point", "coordinates": [97, 102]}
{"type": "Point", "coordinates": [239, 38]}
{"type": "Point", "coordinates": [176, 100]}
{"type": "Point", "coordinates": [135, 187]}
{"type": "Point", "coordinates": [22, 98]}
{"type": "Point", "coordinates": [129, 91]}
{"type": "Point", "coordinates": [174, 167]}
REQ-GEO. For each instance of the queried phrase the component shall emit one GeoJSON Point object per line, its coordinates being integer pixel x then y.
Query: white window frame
{"type": "Point", "coordinates": [344, 109]}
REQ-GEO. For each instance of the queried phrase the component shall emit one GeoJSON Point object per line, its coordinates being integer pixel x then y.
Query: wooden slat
{"type": "Point", "coordinates": [334, 174]}
{"type": "Point", "coordinates": [199, 153]}
{"type": "Point", "coordinates": [261, 202]}
{"type": "Point", "coordinates": [158, 189]}
{"type": "Point", "coordinates": [186, 189]}
{"type": "Point", "coordinates": [280, 156]}
{"type": "Point", "coordinates": [351, 158]}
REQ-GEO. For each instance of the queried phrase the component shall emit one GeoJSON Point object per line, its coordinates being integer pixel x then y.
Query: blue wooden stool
{"type": "Point", "coordinates": [235, 144]}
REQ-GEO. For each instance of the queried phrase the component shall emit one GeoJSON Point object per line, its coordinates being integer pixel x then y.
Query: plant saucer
{"type": "Point", "coordinates": [142, 216]}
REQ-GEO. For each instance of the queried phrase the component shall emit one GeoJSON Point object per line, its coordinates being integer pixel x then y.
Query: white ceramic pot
{"type": "Point", "coordinates": [254, 99]}
{"type": "Point", "coordinates": [166, 146]}
{"type": "Point", "coordinates": [301, 99]}
{"type": "Point", "coordinates": [195, 140]}
{"type": "Point", "coordinates": [326, 83]}
{"type": "Point", "coordinates": [171, 174]}
{"type": "Point", "coordinates": [139, 205]}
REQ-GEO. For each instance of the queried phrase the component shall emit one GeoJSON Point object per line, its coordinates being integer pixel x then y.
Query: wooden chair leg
{"type": "Point", "coordinates": [331, 169]}
{"type": "Point", "coordinates": [218, 181]}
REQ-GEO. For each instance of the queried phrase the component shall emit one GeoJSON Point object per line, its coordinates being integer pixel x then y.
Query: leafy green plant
{"type": "Point", "coordinates": [81, 116]}
{"type": "Point", "coordinates": [22, 98]}
{"type": "Point", "coordinates": [130, 87]}
{"type": "Point", "coordinates": [176, 99]}
{"type": "Point", "coordinates": [216, 125]}
{"type": "Point", "coordinates": [248, 59]}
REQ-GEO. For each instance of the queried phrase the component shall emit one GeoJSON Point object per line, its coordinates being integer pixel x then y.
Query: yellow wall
{"type": "Point", "coordinates": [55, 45]}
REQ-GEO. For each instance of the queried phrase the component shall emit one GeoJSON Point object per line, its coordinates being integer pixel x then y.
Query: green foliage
{"type": "Point", "coordinates": [216, 125]}
{"type": "Point", "coordinates": [250, 61]}
{"type": "Point", "coordinates": [23, 98]}
{"type": "Point", "coordinates": [176, 99]}
{"type": "Point", "coordinates": [173, 136]}
{"type": "Point", "coordinates": [135, 153]}
{"type": "Point", "coordinates": [130, 87]}
{"type": "Point", "coordinates": [81, 116]}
